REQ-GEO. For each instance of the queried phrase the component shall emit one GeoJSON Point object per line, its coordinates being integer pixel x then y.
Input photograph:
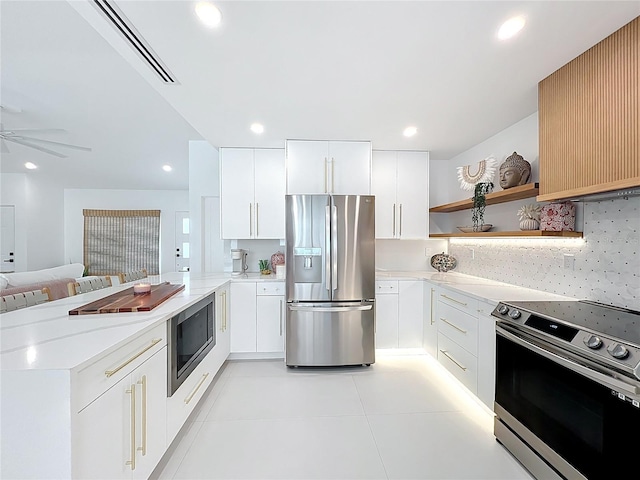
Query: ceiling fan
{"type": "Point", "coordinates": [16, 135]}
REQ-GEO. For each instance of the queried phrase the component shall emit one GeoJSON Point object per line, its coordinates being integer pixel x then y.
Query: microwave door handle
{"type": "Point", "coordinates": [334, 248]}
{"type": "Point", "coordinates": [327, 247]}
{"type": "Point", "coordinates": [571, 365]}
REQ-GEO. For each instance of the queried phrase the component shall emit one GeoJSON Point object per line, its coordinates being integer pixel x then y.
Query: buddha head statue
{"type": "Point", "coordinates": [514, 171]}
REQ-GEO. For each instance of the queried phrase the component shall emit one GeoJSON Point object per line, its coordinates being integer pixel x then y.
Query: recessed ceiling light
{"type": "Point", "coordinates": [410, 131]}
{"type": "Point", "coordinates": [257, 128]}
{"type": "Point", "coordinates": [208, 14]}
{"type": "Point", "coordinates": [511, 27]}
{"type": "Point", "coordinates": [167, 168]}
{"type": "Point", "coordinates": [30, 166]}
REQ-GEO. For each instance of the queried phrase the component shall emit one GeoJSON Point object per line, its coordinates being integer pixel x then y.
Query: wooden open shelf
{"type": "Point", "coordinates": [518, 233]}
{"type": "Point", "coordinates": [515, 193]}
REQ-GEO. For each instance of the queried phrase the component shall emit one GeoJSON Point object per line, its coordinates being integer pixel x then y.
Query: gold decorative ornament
{"type": "Point", "coordinates": [484, 172]}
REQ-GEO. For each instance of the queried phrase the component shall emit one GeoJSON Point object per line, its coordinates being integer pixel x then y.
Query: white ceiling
{"type": "Point", "coordinates": [311, 70]}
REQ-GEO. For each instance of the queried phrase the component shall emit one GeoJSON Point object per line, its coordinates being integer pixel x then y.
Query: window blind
{"type": "Point", "coordinates": [121, 241]}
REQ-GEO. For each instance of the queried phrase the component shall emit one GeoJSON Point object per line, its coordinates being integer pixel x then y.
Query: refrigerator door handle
{"type": "Point", "coordinates": [358, 308]}
{"type": "Point", "coordinates": [334, 247]}
{"type": "Point", "coordinates": [327, 247]}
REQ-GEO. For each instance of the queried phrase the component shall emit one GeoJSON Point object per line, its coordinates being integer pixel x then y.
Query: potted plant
{"type": "Point", "coordinates": [529, 216]}
{"type": "Point", "coordinates": [479, 204]}
{"type": "Point", "coordinates": [264, 267]}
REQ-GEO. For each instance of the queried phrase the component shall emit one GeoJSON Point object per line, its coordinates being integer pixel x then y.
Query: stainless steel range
{"type": "Point", "coordinates": [568, 387]}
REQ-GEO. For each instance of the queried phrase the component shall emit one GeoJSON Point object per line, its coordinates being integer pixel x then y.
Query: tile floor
{"type": "Point", "coordinates": [401, 418]}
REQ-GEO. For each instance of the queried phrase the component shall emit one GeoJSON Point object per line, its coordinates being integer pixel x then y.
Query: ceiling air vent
{"type": "Point", "coordinates": [114, 15]}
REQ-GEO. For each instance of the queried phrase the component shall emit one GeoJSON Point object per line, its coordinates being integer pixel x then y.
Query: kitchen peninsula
{"type": "Point", "coordinates": [70, 362]}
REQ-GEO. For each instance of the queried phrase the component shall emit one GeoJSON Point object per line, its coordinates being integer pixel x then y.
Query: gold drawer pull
{"type": "Point", "coordinates": [195, 390]}
{"type": "Point", "coordinates": [110, 373]}
{"type": "Point", "coordinates": [446, 354]}
{"type": "Point", "coordinates": [453, 300]}
{"type": "Point", "coordinates": [132, 430]}
{"type": "Point", "coordinates": [453, 325]}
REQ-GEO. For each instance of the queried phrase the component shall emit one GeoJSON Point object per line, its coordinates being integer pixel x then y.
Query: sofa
{"type": "Point", "coordinates": [55, 279]}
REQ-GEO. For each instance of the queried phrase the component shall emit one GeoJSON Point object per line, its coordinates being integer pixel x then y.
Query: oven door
{"type": "Point", "coordinates": [580, 421]}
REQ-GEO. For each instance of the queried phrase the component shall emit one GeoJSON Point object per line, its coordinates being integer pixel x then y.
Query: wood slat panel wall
{"type": "Point", "coordinates": [589, 120]}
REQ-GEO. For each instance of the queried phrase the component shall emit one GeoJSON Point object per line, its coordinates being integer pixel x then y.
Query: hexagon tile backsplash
{"type": "Point", "coordinates": [604, 266]}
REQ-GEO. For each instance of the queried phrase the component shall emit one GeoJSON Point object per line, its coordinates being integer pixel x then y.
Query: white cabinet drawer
{"type": "Point", "coordinates": [458, 361]}
{"type": "Point", "coordinates": [460, 327]}
{"type": "Point", "coordinates": [269, 288]}
{"type": "Point", "coordinates": [387, 286]}
{"type": "Point", "coordinates": [459, 301]}
{"type": "Point", "coordinates": [187, 396]}
{"type": "Point", "coordinates": [97, 378]}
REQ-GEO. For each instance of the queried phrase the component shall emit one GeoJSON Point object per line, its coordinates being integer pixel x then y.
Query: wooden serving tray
{"type": "Point", "coordinates": [127, 301]}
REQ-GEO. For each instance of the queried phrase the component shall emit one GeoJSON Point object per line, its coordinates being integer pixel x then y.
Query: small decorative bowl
{"type": "Point", "coordinates": [481, 228]}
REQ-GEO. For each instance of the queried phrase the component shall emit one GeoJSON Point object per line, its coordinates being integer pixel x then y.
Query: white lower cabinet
{"type": "Point", "coordinates": [243, 313]}
{"type": "Point", "coordinates": [486, 354]}
{"type": "Point", "coordinates": [122, 434]}
{"type": "Point", "coordinates": [258, 312]}
{"type": "Point", "coordinates": [430, 326]}
{"type": "Point", "coordinates": [399, 313]}
{"type": "Point", "coordinates": [458, 336]}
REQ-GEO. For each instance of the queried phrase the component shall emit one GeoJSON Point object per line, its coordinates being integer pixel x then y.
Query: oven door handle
{"type": "Point", "coordinates": [571, 365]}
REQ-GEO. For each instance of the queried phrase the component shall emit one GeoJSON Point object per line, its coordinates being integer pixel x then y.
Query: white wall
{"type": "Point", "coordinates": [204, 186]}
{"type": "Point", "coordinates": [167, 201]}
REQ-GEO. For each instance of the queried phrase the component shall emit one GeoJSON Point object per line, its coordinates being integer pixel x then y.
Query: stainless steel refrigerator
{"type": "Point", "coordinates": [330, 280]}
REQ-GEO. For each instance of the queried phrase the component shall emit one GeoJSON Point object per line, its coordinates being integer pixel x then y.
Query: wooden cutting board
{"type": "Point", "coordinates": [127, 301]}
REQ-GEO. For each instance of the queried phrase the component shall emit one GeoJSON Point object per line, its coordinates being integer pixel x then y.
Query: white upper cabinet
{"type": "Point", "coordinates": [400, 182]}
{"type": "Point", "coordinates": [328, 167]}
{"type": "Point", "coordinates": [252, 190]}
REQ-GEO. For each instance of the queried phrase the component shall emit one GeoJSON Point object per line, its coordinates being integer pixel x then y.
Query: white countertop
{"type": "Point", "coordinates": [490, 291]}
{"type": "Point", "coordinates": [46, 337]}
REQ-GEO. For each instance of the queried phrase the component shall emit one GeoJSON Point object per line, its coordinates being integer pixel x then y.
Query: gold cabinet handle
{"type": "Point", "coordinates": [400, 227]}
{"type": "Point", "coordinates": [224, 312]}
{"type": "Point", "coordinates": [453, 325]}
{"type": "Point", "coordinates": [333, 169]}
{"type": "Point", "coordinates": [257, 221]}
{"type": "Point", "coordinates": [432, 292]}
{"type": "Point", "coordinates": [446, 354]}
{"type": "Point", "coordinates": [250, 218]}
{"type": "Point", "coordinates": [110, 373]}
{"type": "Point", "coordinates": [453, 300]}
{"type": "Point", "coordinates": [197, 387]}
{"type": "Point", "coordinates": [143, 422]}
{"type": "Point", "coordinates": [326, 175]}
{"type": "Point", "coordinates": [281, 302]}
{"type": "Point", "coordinates": [394, 220]}
{"type": "Point", "coordinates": [132, 462]}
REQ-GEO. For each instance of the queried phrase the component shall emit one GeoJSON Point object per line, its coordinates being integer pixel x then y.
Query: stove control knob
{"type": "Point", "coordinates": [593, 342]}
{"type": "Point", "coordinates": [503, 309]}
{"type": "Point", "coordinates": [618, 351]}
{"type": "Point", "coordinates": [515, 314]}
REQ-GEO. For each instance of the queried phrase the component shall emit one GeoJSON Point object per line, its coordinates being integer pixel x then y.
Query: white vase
{"type": "Point", "coordinates": [529, 224]}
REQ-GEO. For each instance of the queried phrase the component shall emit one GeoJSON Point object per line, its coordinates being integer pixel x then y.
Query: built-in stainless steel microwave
{"type": "Point", "coordinates": [191, 335]}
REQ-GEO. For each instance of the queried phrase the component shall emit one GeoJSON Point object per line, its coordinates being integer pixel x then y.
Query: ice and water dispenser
{"type": "Point", "coordinates": [307, 264]}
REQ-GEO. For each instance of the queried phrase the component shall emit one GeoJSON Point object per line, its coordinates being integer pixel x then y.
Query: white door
{"type": "Point", "coordinates": [383, 186]}
{"type": "Point", "coordinates": [182, 253]}
{"type": "Point", "coordinates": [413, 194]}
{"type": "Point", "coordinates": [307, 166]}
{"type": "Point", "coordinates": [410, 314]}
{"type": "Point", "coordinates": [270, 323]}
{"type": "Point", "coordinates": [237, 181]}
{"type": "Point", "coordinates": [270, 189]}
{"type": "Point", "coordinates": [350, 172]}
{"type": "Point", "coordinates": [243, 312]}
{"type": "Point", "coordinates": [7, 238]}
{"type": "Point", "coordinates": [386, 321]}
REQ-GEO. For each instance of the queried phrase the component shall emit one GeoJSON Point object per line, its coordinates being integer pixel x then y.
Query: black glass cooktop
{"type": "Point", "coordinates": [612, 321]}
